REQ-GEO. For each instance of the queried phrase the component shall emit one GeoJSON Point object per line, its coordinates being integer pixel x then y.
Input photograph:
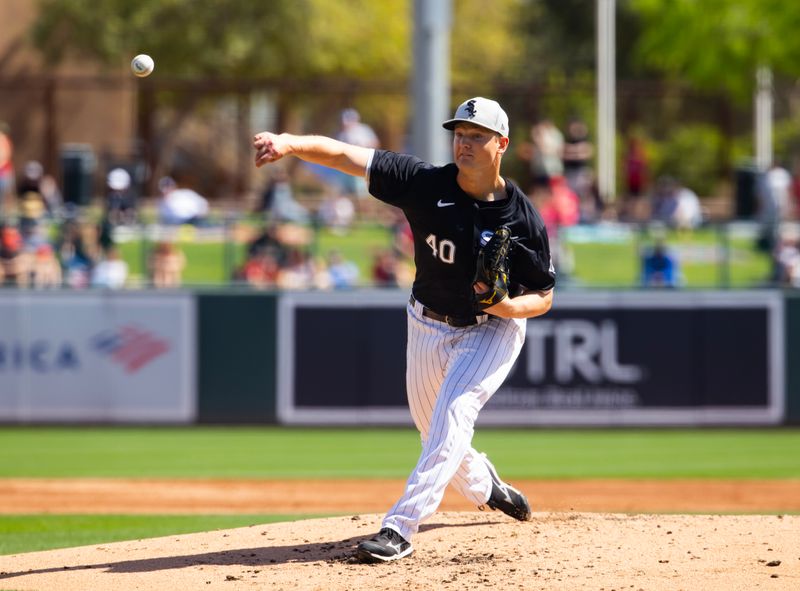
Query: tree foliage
{"type": "Point", "coordinates": [228, 38]}
{"type": "Point", "coordinates": [294, 39]}
{"type": "Point", "coordinates": [719, 44]}
{"type": "Point", "coordinates": [485, 41]}
{"type": "Point", "coordinates": [558, 38]}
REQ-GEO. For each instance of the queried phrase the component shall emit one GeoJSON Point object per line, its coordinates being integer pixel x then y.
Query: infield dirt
{"type": "Point", "coordinates": [564, 547]}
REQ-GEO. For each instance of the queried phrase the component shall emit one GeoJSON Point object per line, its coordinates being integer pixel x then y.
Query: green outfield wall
{"type": "Point", "coordinates": [236, 349]}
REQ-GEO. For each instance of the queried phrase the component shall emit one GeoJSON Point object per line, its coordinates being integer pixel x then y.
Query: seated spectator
{"type": "Point", "coordinates": [181, 205]}
{"type": "Point", "coordinates": [787, 259]}
{"type": "Point", "coordinates": [337, 213]}
{"type": "Point", "coordinates": [561, 207]}
{"type": "Point", "coordinates": [675, 205]}
{"type": "Point", "coordinates": [111, 272]}
{"type": "Point", "coordinates": [12, 262]}
{"type": "Point", "coordinates": [660, 267]}
{"type": "Point", "coordinates": [120, 201]}
{"type": "Point", "coordinates": [33, 238]}
{"type": "Point", "coordinates": [300, 271]}
{"type": "Point", "coordinates": [402, 237]}
{"type": "Point", "coordinates": [688, 211]}
{"type": "Point", "coordinates": [278, 202]}
{"type": "Point", "coordinates": [384, 269]}
{"type": "Point", "coordinates": [664, 200]}
{"type": "Point", "coordinates": [166, 265]}
{"type": "Point", "coordinates": [31, 205]}
{"type": "Point", "coordinates": [46, 269]}
{"type": "Point", "coordinates": [31, 210]}
{"type": "Point", "coordinates": [53, 198]}
{"type": "Point", "coordinates": [31, 178]}
{"type": "Point", "coordinates": [343, 273]}
{"type": "Point", "coordinates": [268, 242]}
{"type": "Point", "coordinates": [78, 273]}
{"type": "Point", "coordinates": [260, 270]}
{"type": "Point", "coordinates": [75, 253]}
{"type": "Point", "coordinates": [44, 186]}
{"type": "Point", "coordinates": [6, 166]}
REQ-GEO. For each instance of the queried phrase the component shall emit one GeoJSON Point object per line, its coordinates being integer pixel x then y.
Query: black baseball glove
{"type": "Point", "coordinates": [490, 284]}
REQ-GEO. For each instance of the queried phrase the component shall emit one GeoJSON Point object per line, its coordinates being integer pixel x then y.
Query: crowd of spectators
{"type": "Point", "coordinates": [562, 184]}
{"type": "Point", "coordinates": [281, 256]}
{"type": "Point", "coordinates": [46, 242]}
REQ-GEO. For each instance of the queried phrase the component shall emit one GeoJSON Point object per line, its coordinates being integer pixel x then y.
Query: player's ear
{"type": "Point", "coordinates": [503, 142]}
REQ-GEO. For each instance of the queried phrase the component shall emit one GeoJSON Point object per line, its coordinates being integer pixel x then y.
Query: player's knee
{"type": "Point", "coordinates": [462, 412]}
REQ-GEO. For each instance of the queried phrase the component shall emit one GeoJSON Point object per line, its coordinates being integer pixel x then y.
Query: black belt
{"type": "Point", "coordinates": [458, 321]}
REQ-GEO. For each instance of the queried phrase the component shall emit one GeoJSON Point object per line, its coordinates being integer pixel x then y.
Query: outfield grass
{"type": "Point", "coordinates": [31, 533]}
{"type": "Point", "coordinates": [272, 452]}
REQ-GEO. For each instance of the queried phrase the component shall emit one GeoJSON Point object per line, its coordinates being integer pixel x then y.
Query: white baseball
{"type": "Point", "coordinates": [142, 65]}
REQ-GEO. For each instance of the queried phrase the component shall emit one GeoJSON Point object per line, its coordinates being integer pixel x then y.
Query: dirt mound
{"type": "Point", "coordinates": [454, 550]}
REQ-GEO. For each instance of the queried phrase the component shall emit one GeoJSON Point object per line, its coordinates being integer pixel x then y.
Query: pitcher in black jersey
{"type": "Point", "coordinates": [457, 357]}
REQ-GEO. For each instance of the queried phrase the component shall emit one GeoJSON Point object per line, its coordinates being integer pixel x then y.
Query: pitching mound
{"type": "Point", "coordinates": [454, 550]}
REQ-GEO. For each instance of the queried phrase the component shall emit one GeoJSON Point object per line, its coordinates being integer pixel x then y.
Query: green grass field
{"type": "Point", "coordinates": [31, 533]}
{"type": "Point", "coordinates": [271, 452]}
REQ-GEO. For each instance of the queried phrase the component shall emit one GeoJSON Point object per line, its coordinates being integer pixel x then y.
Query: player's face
{"type": "Point", "coordinates": [476, 147]}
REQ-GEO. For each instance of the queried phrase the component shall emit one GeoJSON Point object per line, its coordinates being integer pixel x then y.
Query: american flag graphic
{"type": "Point", "coordinates": [130, 346]}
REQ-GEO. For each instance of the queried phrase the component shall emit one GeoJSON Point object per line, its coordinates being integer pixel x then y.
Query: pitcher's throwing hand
{"type": "Point", "coordinates": [269, 148]}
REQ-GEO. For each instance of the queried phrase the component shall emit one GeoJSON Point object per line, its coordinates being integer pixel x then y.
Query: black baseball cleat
{"type": "Point", "coordinates": [387, 545]}
{"type": "Point", "coordinates": [506, 498]}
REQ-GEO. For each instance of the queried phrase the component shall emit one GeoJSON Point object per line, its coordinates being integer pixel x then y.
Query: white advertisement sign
{"type": "Point", "coordinates": [97, 357]}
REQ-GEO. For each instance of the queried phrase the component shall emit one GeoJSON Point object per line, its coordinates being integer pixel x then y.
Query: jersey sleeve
{"type": "Point", "coordinates": [531, 263]}
{"type": "Point", "coordinates": [391, 176]}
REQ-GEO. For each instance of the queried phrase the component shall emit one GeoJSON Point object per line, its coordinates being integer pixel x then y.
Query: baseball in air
{"type": "Point", "coordinates": [142, 65]}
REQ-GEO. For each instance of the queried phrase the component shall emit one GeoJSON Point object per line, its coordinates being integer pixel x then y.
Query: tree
{"type": "Point", "coordinates": [558, 38]}
{"type": "Point", "coordinates": [718, 44]}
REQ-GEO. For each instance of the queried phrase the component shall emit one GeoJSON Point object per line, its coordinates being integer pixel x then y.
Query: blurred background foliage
{"type": "Point", "coordinates": [696, 60]}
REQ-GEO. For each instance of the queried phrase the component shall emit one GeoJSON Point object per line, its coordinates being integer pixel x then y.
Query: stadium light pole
{"type": "Point", "coordinates": [431, 80]}
{"type": "Point", "coordinates": [763, 118]}
{"type": "Point", "coordinates": [606, 100]}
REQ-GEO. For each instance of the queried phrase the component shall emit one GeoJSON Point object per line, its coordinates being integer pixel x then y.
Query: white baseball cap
{"type": "Point", "coordinates": [480, 111]}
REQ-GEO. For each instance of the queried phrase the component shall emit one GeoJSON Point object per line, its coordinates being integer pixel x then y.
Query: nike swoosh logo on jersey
{"type": "Point", "coordinates": [441, 203]}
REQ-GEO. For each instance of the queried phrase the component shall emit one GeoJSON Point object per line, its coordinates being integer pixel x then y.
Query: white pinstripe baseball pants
{"type": "Point", "coordinates": [451, 373]}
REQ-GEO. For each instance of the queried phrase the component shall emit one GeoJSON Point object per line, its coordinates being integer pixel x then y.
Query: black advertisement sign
{"type": "Point", "coordinates": [599, 358]}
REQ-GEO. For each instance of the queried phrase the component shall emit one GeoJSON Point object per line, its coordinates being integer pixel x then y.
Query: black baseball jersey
{"type": "Point", "coordinates": [448, 226]}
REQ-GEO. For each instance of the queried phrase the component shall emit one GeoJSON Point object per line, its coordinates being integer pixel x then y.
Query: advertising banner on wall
{"type": "Point", "coordinates": [97, 357]}
{"type": "Point", "coordinates": [600, 358]}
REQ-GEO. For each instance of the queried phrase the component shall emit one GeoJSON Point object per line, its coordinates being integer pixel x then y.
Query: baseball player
{"type": "Point", "coordinates": [482, 268]}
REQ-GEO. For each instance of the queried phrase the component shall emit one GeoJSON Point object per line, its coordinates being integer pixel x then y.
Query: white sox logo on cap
{"type": "Point", "coordinates": [470, 108]}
